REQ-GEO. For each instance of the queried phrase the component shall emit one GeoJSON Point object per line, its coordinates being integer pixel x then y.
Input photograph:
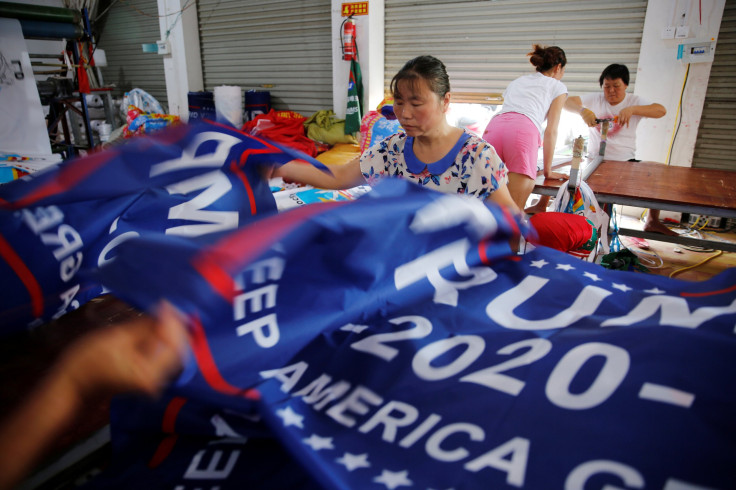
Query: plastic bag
{"type": "Point", "coordinates": [140, 122]}
{"type": "Point", "coordinates": [141, 99]}
{"type": "Point", "coordinates": [584, 204]}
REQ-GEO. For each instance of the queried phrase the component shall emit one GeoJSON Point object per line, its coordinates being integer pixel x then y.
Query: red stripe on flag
{"type": "Point", "coordinates": [168, 426]}
{"type": "Point", "coordinates": [484, 256]}
{"type": "Point", "coordinates": [208, 368]}
{"type": "Point", "coordinates": [171, 413]}
{"type": "Point", "coordinates": [482, 252]}
{"type": "Point", "coordinates": [67, 177]}
{"type": "Point", "coordinates": [25, 275]}
{"type": "Point", "coordinates": [515, 231]}
{"type": "Point", "coordinates": [218, 279]}
{"type": "Point", "coordinates": [163, 450]}
{"type": "Point", "coordinates": [248, 189]}
{"type": "Point", "coordinates": [709, 293]}
{"type": "Point", "coordinates": [217, 263]}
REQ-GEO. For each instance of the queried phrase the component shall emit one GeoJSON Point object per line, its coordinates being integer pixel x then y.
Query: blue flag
{"type": "Point", "coordinates": [396, 341]}
{"type": "Point", "coordinates": [59, 225]}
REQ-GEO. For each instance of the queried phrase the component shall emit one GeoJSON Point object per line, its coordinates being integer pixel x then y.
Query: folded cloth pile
{"type": "Point", "coordinates": [570, 233]}
{"type": "Point", "coordinates": [326, 127]}
{"type": "Point", "coordinates": [285, 127]}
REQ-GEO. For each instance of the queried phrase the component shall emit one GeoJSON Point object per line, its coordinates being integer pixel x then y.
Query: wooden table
{"type": "Point", "coordinates": [657, 186]}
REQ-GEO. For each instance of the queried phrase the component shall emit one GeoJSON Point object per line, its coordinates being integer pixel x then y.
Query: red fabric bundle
{"type": "Point", "coordinates": [563, 231]}
{"type": "Point", "coordinates": [285, 127]}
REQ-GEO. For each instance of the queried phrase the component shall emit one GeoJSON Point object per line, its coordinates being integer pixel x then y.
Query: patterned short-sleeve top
{"type": "Point", "coordinates": [470, 167]}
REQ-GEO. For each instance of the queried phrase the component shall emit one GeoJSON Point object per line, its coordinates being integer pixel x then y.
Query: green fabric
{"type": "Point", "coordinates": [354, 112]}
{"type": "Point", "coordinates": [593, 241]}
{"type": "Point", "coordinates": [325, 127]}
{"type": "Point", "coordinates": [624, 260]}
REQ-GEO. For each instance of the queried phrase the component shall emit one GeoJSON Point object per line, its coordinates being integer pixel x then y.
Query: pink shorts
{"type": "Point", "coordinates": [516, 141]}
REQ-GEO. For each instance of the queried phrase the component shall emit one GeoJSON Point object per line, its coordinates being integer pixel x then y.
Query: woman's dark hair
{"type": "Point", "coordinates": [614, 71]}
{"type": "Point", "coordinates": [546, 57]}
{"type": "Point", "coordinates": [426, 68]}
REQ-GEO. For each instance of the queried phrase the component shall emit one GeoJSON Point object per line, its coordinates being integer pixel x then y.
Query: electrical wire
{"type": "Point", "coordinates": [707, 259]}
{"type": "Point", "coordinates": [186, 6]}
{"type": "Point", "coordinates": [178, 13]}
{"type": "Point", "coordinates": [678, 113]}
{"type": "Point", "coordinates": [648, 258]}
{"type": "Point", "coordinates": [99, 16]}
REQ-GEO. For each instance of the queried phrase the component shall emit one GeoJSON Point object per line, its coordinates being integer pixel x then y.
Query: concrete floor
{"type": "Point", "coordinates": [666, 258]}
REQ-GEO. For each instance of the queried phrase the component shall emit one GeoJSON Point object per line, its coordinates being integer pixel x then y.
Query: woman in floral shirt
{"type": "Point", "coordinates": [430, 152]}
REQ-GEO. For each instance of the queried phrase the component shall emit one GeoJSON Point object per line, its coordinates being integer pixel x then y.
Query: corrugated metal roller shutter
{"type": "Point", "coordinates": [484, 43]}
{"type": "Point", "coordinates": [716, 143]}
{"type": "Point", "coordinates": [127, 25]}
{"type": "Point", "coordinates": [280, 46]}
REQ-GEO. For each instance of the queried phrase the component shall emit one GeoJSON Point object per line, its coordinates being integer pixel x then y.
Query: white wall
{"type": "Point", "coordinates": [183, 66]}
{"type": "Point", "coordinates": [660, 77]}
{"type": "Point", "coordinates": [370, 39]}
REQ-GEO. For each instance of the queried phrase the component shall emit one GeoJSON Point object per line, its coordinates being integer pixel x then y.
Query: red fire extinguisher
{"type": "Point", "coordinates": [349, 49]}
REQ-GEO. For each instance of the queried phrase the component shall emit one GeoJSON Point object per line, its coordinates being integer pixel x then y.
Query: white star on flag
{"type": "Point", "coordinates": [565, 267]}
{"type": "Point", "coordinates": [538, 263]}
{"type": "Point", "coordinates": [656, 290]}
{"type": "Point", "coordinates": [393, 479]}
{"type": "Point", "coordinates": [622, 287]}
{"type": "Point", "coordinates": [350, 327]}
{"type": "Point", "coordinates": [592, 276]}
{"type": "Point", "coordinates": [354, 461]}
{"type": "Point", "coordinates": [290, 417]}
{"type": "Point", "coordinates": [316, 442]}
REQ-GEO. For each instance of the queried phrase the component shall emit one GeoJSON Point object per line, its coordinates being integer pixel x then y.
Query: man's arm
{"type": "Point", "coordinates": [575, 104]}
{"type": "Point", "coordinates": [655, 111]}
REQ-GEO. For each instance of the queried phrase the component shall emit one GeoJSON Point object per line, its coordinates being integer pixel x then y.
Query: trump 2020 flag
{"type": "Point", "coordinates": [59, 225]}
{"type": "Point", "coordinates": [396, 342]}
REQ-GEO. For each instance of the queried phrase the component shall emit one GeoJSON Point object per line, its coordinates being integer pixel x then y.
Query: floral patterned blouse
{"type": "Point", "coordinates": [470, 167]}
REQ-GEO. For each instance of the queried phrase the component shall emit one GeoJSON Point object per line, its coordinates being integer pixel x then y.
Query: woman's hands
{"type": "Point", "coordinates": [555, 175]}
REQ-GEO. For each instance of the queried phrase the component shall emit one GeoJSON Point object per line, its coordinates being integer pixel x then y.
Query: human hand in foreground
{"type": "Point", "coordinates": [136, 356]}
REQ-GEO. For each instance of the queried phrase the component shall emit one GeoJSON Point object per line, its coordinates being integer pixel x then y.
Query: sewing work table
{"type": "Point", "coordinates": [654, 185]}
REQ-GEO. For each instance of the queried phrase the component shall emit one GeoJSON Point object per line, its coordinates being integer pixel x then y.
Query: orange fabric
{"type": "Point", "coordinates": [339, 154]}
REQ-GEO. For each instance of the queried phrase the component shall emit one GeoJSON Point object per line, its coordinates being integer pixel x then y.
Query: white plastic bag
{"type": "Point", "coordinates": [142, 100]}
{"type": "Point", "coordinates": [585, 204]}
